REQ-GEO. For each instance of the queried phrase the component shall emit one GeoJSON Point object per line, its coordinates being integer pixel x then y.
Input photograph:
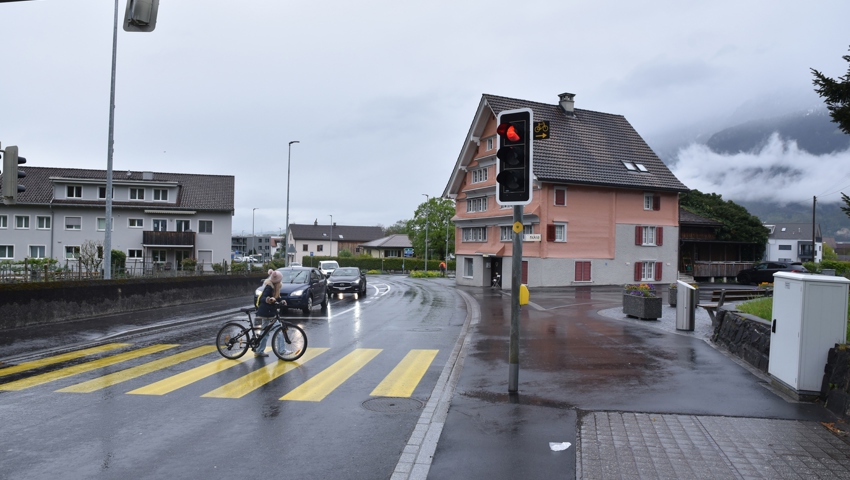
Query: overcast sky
{"type": "Point", "coordinates": [381, 94]}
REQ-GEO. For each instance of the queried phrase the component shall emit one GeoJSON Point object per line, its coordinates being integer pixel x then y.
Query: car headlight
{"type": "Point", "coordinates": [297, 293]}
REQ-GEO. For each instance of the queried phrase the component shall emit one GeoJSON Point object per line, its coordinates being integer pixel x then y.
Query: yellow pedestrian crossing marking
{"type": "Point", "coordinates": [190, 376]}
{"type": "Point", "coordinates": [131, 373]}
{"type": "Point", "coordinates": [406, 375]}
{"type": "Point", "coordinates": [60, 358]}
{"type": "Point", "coordinates": [323, 383]}
{"type": "Point", "coordinates": [83, 367]}
{"type": "Point", "coordinates": [256, 379]}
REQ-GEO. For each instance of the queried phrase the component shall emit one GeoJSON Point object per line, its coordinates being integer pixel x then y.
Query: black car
{"type": "Point", "coordinates": [763, 272]}
{"type": "Point", "coordinates": [347, 280]}
{"type": "Point", "coordinates": [301, 287]}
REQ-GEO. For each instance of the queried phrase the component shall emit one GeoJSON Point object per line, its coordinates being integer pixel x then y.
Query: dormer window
{"type": "Point", "coordinates": [74, 191]}
{"type": "Point", "coordinates": [137, 194]}
{"type": "Point", "coordinates": [160, 195]}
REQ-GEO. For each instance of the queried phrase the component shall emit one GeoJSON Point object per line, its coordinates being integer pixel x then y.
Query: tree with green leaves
{"type": "Point", "coordinates": [437, 214]}
{"type": "Point", "coordinates": [738, 224]}
{"type": "Point", "coordinates": [399, 227]}
{"type": "Point", "coordinates": [836, 95]}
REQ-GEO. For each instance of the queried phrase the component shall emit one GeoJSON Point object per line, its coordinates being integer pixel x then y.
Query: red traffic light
{"type": "Point", "coordinates": [509, 131]}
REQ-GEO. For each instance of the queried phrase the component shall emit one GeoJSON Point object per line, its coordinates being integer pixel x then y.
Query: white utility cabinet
{"type": "Point", "coordinates": [809, 318]}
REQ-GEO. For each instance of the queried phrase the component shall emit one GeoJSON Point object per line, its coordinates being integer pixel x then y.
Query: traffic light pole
{"type": "Point", "coordinates": [516, 279]}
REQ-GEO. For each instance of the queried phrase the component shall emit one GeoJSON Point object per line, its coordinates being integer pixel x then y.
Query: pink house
{"type": "Point", "coordinates": [604, 210]}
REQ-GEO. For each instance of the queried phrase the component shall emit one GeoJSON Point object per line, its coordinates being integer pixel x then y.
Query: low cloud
{"type": "Point", "coordinates": [778, 172]}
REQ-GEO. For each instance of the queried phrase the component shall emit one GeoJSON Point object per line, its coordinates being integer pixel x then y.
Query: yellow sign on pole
{"type": "Point", "coordinates": [517, 227]}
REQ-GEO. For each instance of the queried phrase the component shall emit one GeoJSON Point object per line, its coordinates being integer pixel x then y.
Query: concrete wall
{"type": "Point", "coordinates": [25, 304]}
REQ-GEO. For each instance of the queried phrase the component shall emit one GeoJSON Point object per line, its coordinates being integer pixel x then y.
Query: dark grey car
{"type": "Point", "coordinates": [301, 287]}
{"type": "Point", "coordinates": [347, 280]}
{"type": "Point", "coordinates": [763, 272]}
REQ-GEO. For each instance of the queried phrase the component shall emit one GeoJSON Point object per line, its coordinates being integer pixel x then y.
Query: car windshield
{"type": "Point", "coordinates": [333, 265]}
{"type": "Point", "coordinates": [295, 276]}
{"type": "Point", "coordinates": [342, 272]}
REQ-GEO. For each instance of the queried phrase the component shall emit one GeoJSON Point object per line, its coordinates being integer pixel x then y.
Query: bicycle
{"type": "Point", "coordinates": [289, 342]}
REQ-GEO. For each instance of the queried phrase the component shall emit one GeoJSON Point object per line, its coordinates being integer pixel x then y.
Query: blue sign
{"type": "Point", "coordinates": [311, 254]}
{"type": "Point", "coordinates": [408, 252]}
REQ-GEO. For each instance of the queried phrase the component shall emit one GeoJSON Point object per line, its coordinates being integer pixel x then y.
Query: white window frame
{"type": "Point", "coordinates": [160, 194]}
{"type": "Point", "coordinates": [479, 175]}
{"type": "Point", "coordinates": [8, 251]}
{"type": "Point", "coordinates": [43, 222]}
{"type": "Point", "coordinates": [101, 192]}
{"type": "Point", "coordinates": [159, 255]}
{"type": "Point", "coordinates": [22, 222]}
{"type": "Point", "coordinates": [139, 223]}
{"type": "Point", "coordinates": [561, 232]}
{"type": "Point", "coordinates": [647, 271]}
{"type": "Point", "coordinates": [468, 267]}
{"type": "Point", "coordinates": [137, 194]}
{"type": "Point", "coordinates": [79, 226]}
{"type": "Point", "coordinates": [160, 221]}
{"type": "Point", "coordinates": [201, 224]}
{"type": "Point", "coordinates": [474, 234]}
{"type": "Point", "coordinates": [179, 222]}
{"type": "Point", "coordinates": [491, 143]}
{"type": "Point", "coordinates": [4, 221]}
{"type": "Point", "coordinates": [476, 204]}
{"type": "Point", "coordinates": [103, 219]}
{"type": "Point", "coordinates": [649, 236]}
{"type": "Point", "coordinates": [506, 233]}
{"type": "Point", "coordinates": [555, 196]}
{"type": "Point", "coordinates": [131, 254]}
{"type": "Point", "coordinates": [73, 191]}
{"type": "Point", "coordinates": [41, 254]}
{"type": "Point", "coordinates": [647, 201]}
{"type": "Point", "coordinates": [74, 252]}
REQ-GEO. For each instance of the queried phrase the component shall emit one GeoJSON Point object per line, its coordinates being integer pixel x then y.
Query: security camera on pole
{"type": "Point", "coordinates": [514, 181]}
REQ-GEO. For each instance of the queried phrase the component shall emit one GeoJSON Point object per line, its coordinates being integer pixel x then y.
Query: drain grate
{"type": "Point", "coordinates": [426, 329]}
{"type": "Point", "coordinates": [392, 405]}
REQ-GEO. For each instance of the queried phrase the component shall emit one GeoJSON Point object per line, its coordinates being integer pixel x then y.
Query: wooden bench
{"type": "Point", "coordinates": [718, 297]}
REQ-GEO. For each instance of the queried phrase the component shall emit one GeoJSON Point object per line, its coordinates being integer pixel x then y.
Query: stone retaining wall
{"type": "Point", "coordinates": [835, 391]}
{"type": "Point", "coordinates": [37, 303]}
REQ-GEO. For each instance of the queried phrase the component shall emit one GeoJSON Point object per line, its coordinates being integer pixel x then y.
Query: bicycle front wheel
{"type": "Point", "coordinates": [232, 341]}
{"type": "Point", "coordinates": [289, 342]}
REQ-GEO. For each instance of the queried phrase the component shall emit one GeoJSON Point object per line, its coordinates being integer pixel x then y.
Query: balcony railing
{"type": "Point", "coordinates": [168, 239]}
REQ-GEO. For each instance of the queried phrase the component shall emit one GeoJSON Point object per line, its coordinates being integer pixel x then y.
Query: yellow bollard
{"type": "Point", "coordinates": [523, 295]}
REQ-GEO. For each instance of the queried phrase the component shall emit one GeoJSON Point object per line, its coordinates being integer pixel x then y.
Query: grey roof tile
{"type": "Point", "coordinates": [348, 233]}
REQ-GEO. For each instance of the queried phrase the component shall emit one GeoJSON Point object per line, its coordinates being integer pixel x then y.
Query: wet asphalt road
{"type": "Point", "coordinates": [109, 433]}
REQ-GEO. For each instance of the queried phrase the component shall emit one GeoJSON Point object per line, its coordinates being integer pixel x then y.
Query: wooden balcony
{"type": "Point", "coordinates": [168, 239]}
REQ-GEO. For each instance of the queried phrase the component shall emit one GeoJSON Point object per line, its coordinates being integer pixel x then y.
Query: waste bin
{"type": "Point", "coordinates": [686, 304]}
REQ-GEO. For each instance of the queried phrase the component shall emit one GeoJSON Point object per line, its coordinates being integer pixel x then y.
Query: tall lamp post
{"type": "Point", "coordinates": [253, 238]}
{"type": "Point", "coordinates": [427, 207]}
{"type": "Point", "coordinates": [331, 246]}
{"type": "Point", "coordinates": [285, 243]}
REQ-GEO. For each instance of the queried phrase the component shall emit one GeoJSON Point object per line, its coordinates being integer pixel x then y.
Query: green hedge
{"type": "Point", "coordinates": [842, 269]}
{"type": "Point", "coordinates": [385, 264]}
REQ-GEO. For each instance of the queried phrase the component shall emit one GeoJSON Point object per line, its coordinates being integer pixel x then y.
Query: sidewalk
{"type": "Point", "coordinates": [633, 398]}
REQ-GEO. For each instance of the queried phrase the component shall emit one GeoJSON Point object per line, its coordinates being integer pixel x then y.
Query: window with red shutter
{"type": "Point", "coordinates": [638, 235]}
{"type": "Point", "coordinates": [582, 271]}
{"type": "Point", "coordinates": [550, 233]}
{"type": "Point", "coordinates": [658, 266]}
{"type": "Point", "coordinates": [659, 236]}
{"type": "Point", "coordinates": [638, 271]}
{"type": "Point", "coordinates": [656, 202]}
{"type": "Point", "coordinates": [560, 197]}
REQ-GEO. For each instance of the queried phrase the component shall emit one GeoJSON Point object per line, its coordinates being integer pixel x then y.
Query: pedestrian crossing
{"type": "Point", "coordinates": [401, 381]}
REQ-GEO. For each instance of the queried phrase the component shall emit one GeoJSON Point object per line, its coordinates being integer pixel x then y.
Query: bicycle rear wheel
{"type": "Point", "coordinates": [232, 341]}
{"type": "Point", "coordinates": [289, 342]}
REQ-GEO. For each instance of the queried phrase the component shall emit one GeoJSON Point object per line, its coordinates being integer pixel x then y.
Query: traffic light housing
{"type": "Point", "coordinates": [140, 15]}
{"type": "Point", "coordinates": [514, 167]}
{"type": "Point", "coordinates": [11, 174]}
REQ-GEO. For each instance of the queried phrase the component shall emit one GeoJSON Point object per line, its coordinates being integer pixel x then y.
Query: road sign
{"type": "Point", "coordinates": [408, 252]}
{"type": "Point", "coordinates": [541, 130]}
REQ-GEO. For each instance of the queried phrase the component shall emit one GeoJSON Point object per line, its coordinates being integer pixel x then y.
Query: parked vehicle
{"type": "Point", "coordinates": [763, 272]}
{"type": "Point", "coordinates": [327, 267]}
{"type": "Point", "coordinates": [347, 280]}
{"type": "Point", "coordinates": [301, 287]}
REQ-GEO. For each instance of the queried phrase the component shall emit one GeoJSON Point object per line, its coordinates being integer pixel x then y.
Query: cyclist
{"type": "Point", "coordinates": [266, 306]}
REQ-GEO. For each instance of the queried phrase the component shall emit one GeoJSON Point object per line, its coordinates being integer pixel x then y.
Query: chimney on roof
{"type": "Point", "coordinates": [316, 221]}
{"type": "Point", "coordinates": [147, 175]}
{"type": "Point", "coordinates": [567, 103]}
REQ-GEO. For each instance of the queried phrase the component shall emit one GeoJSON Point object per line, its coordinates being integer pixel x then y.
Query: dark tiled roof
{"type": "Point", "coordinates": [794, 231]}
{"type": "Point", "coordinates": [589, 148]}
{"type": "Point", "coordinates": [197, 192]}
{"type": "Point", "coordinates": [690, 218]}
{"type": "Point", "coordinates": [393, 241]}
{"type": "Point", "coordinates": [348, 233]}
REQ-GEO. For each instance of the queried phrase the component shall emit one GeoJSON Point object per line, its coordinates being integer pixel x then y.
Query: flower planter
{"type": "Point", "coordinates": [645, 308]}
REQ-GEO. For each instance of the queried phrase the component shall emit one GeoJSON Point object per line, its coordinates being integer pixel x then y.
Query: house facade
{"type": "Point", "coordinates": [604, 207]}
{"type": "Point", "coordinates": [328, 240]}
{"type": "Point", "coordinates": [158, 218]}
{"type": "Point", "coordinates": [392, 246]}
{"type": "Point", "coordinates": [793, 241]}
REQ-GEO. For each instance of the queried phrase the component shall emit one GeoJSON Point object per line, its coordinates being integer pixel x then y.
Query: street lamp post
{"type": "Point", "coordinates": [331, 246]}
{"type": "Point", "coordinates": [253, 238]}
{"type": "Point", "coordinates": [285, 243]}
{"type": "Point", "coordinates": [427, 207]}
